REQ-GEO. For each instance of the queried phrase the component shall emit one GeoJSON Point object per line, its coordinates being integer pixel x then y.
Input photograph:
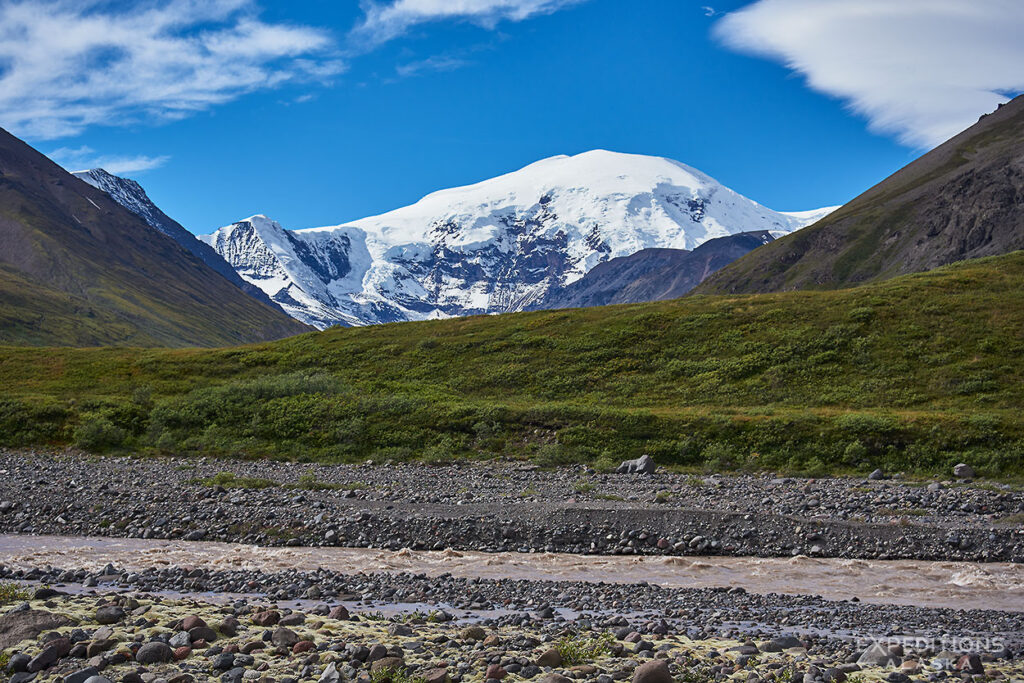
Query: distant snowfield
{"type": "Point", "coordinates": [495, 246]}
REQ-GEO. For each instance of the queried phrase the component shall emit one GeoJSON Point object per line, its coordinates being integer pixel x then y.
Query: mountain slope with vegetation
{"type": "Point", "coordinates": [964, 199]}
{"type": "Point", "coordinates": [653, 274]}
{"type": "Point", "coordinates": [916, 373]}
{"type": "Point", "coordinates": [79, 269]}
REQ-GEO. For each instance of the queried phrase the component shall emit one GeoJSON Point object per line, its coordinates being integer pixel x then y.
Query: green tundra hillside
{"type": "Point", "coordinates": [78, 269]}
{"type": "Point", "coordinates": [916, 373]}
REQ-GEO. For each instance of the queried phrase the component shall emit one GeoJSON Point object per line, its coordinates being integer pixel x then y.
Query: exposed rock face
{"type": "Point", "coordinates": [962, 200]}
{"type": "Point", "coordinates": [17, 626]}
{"type": "Point", "coordinates": [653, 274]}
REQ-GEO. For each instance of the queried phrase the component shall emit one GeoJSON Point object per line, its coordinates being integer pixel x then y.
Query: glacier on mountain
{"type": "Point", "coordinates": [493, 247]}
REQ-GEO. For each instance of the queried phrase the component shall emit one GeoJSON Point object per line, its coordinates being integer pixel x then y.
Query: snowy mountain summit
{"type": "Point", "coordinates": [492, 247]}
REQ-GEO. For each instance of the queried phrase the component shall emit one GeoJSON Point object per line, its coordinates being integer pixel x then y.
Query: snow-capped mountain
{"type": "Point", "coordinates": [492, 247]}
{"type": "Point", "coordinates": [131, 196]}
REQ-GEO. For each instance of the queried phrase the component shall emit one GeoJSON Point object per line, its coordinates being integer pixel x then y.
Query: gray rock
{"type": "Point", "coordinates": [877, 655]}
{"type": "Point", "coordinates": [834, 675]}
{"type": "Point", "coordinates": [330, 674]}
{"type": "Point", "coordinates": [98, 679]}
{"type": "Point", "coordinates": [109, 614]}
{"type": "Point", "coordinates": [81, 676]}
{"type": "Point", "coordinates": [233, 676]}
{"type": "Point", "coordinates": [49, 656]}
{"type": "Point", "coordinates": [284, 637]}
{"type": "Point", "coordinates": [154, 653]}
{"type": "Point", "coordinates": [782, 643]}
{"type": "Point", "coordinates": [180, 639]}
{"type": "Point", "coordinates": [877, 475]}
{"type": "Point", "coordinates": [642, 465]}
{"type": "Point", "coordinates": [293, 619]}
{"type": "Point", "coordinates": [18, 663]}
{"type": "Point", "coordinates": [339, 612]}
{"type": "Point", "coordinates": [963, 471]}
{"type": "Point", "coordinates": [224, 660]}
{"type": "Point", "coordinates": [202, 633]}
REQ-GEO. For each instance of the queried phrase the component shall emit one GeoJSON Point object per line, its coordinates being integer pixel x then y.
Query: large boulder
{"type": "Point", "coordinates": [387, 664]}
{"type": "Point", "coordinates": [879, 655]}
{"type": "Point", "coordinates": [654, 671]}
{"type": "Point", "coordinates": [963, 471]}
{"type": "Point", "coordinates": [27, 625]}
{"type": "Point", "coordinates": [550, 658]}
{"type": "Point", "coordinates": [109, 614]}
{"type": "Point", "coordinates": [781, 643]}
{"type": "Point", "coordinates": [642, 465]}
{"type": "Point", "coordinates": [154, 653]}
{"type": "Point", "coordinates": [285, 637]}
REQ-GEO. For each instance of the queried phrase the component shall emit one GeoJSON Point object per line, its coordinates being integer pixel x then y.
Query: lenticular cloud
{"type": "Point", "coordinates": [922, 70]}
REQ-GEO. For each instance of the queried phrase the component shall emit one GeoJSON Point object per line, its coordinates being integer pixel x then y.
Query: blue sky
{"type": "Point", "coordinates": [324, 111]}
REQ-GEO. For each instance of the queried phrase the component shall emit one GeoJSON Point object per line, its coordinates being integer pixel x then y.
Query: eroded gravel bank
{"type": "Point", "coordinates": [507, 507]}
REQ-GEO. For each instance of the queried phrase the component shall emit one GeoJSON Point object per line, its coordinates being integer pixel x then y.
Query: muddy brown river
{"type": "Point", "coordinates": [906, 582]}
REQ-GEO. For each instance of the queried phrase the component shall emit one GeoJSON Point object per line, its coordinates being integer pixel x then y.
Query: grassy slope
{"type": "Point", "coordinates": [914, 373]}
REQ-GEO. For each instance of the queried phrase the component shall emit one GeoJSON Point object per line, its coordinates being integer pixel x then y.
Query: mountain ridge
{"type": "Point", "coordinates": [74, 257]}
{"type": "Point", "coordinates": [131, 195]}
{"type": "Point", "coordinates": [961, 200]}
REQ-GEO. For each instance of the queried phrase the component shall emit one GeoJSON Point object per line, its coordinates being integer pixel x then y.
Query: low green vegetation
{"type": "Point", "coordinates": [230, 480]}
{"type": "Point", "coordinates": [800, 382]}
{"type": "Point", "coordinates": [1011, 520]}
{"type": "Point", "coordinates": [578, 649]}
{"type": "Point", "coordinates": [13, 592]}
{"type": "Point", "coordinates": [399, 675]}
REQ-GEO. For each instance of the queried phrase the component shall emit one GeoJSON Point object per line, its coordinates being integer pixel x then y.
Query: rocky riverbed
{"type": "Point", "coordinates": [139, 637]}
{"type": "Point", "coordinates": [171, 620]}
{"type": "Point", "coordinates": [497, 506]}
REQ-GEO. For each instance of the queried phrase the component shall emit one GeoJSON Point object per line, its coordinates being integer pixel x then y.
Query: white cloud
{"type": "Point", "coordinates": [385, 22]}
{"type": "Point", "coordinates": [84, 158]}
{"type": "Point", "coordinates": [437, 63]}
{"type": "Point", "coordinates": [69, 64]}
{"type": "Point", "coordinates": [922, 70]}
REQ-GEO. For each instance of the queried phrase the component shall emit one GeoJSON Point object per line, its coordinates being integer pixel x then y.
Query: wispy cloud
{"type": "Point", "coordinates": [921, 70]}
{"type": "Point", "coordinates": [387, 21]}
{"type": "Point", "coordinates": [84, 158]}
{"type": "Point", "coordinates": [68, 64]}
{"type": "Point", "coordinates": [437, 63]}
